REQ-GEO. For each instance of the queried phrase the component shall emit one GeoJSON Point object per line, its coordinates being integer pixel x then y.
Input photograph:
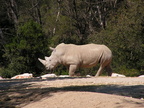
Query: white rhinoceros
{"type": "Point", "coordinates": [76, 56]}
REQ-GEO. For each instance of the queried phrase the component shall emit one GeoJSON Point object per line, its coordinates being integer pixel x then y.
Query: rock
{"type": "Point", "coordinates": [64, 76]}
{"type": "Point", "coordinates": [88, 76]}
{"type": "Point", "coordinates": [1, 78]}
{"type": "Point", "coordinates": [117, 75]}
{"type": "Point", "coordinates": [48, 76]}
{"type": "Point", "coordinates": [23, 76]}
{"type": "Point", "coordinates": [141, 76]}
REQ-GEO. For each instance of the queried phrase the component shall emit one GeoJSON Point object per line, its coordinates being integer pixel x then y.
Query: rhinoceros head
{"type": "Point", "coordinates": [49, 62]}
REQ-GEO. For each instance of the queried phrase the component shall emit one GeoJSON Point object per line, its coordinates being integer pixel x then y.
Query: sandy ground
{"type": "Point", "coordinates": [73, 93]}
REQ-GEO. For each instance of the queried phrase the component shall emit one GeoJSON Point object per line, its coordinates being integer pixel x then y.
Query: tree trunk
{"type": "Point", "coordinates": [12, 10]}
{"type": "Point", "coordinates": [57, 17]}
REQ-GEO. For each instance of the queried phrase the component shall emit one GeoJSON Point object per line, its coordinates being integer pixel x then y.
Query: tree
{"type": "Point", "coordinates": [124, 35]}
{"type": "Point", "coordinates": [116, 23]}
{"type": "Point", "coordinates": [26, 47]}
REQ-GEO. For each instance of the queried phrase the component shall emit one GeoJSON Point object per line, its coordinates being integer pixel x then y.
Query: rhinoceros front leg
{"type": "Point", "coordinates": [72, 70]}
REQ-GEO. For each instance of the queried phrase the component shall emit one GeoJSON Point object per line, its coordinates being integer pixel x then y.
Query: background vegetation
{"type": "Point", "coordinates": [29, 27]}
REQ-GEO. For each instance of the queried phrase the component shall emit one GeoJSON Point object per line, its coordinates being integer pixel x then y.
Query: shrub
{"type": "Point", "coordinates": [127, 72]}
{"type": "Point", "coordinates": [7, 73]}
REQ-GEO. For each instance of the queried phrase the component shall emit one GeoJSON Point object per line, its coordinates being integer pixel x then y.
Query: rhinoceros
{"type": "Point", "coordinates": [79, 56]}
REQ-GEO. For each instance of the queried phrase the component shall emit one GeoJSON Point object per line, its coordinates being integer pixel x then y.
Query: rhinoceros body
{"type": "Point", "coordinates": [76, 56]}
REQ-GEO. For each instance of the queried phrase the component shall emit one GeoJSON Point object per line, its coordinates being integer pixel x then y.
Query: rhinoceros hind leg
{"type": "Point", "coordinates": [109, 70]}
{"type": "Point", "coordinates": [99, 71]}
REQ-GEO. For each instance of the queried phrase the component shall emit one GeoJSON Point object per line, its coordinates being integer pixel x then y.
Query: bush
{"type": "Point", "coordinates": [7, 73]}
{"type": "Point", "coordinates": [127, 72]}
{"type": "Point", "coordinates": [23, 51]}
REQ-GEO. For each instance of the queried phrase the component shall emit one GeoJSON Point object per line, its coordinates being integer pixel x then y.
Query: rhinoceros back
{"type": "Point", "coordinates": [83, 55]}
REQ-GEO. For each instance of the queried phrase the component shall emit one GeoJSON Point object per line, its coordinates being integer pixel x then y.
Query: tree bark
{"type": "Point", "coordinates": [12, 10]}
{"type": "Point", "coordinates": [57, 17]}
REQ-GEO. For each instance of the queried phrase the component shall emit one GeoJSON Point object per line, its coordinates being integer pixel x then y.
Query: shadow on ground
{"type": "Point", "coordinates": [16, 92]}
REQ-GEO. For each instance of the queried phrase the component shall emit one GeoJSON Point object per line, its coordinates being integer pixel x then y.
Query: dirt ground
{"type": "Point", "coordinates": [75, 92]}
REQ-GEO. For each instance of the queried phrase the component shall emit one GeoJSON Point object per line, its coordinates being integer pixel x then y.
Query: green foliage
{"type": "Point", "coordinates": [29, 27]}
{"type": "Point", "coordinates": [61, 30]}
{"type": "Point", "coordinates": [124, 35]}
{"type": "Point", "coordinates": [7, 73]}
{"type": "Point", "coordinates": [128, 72]}
{"type": "Point", "coordinates": [25, 48]}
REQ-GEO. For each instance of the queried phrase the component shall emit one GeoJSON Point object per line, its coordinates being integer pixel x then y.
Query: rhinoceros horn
{"type": "Point", "coordinates": [46, 58]}
{"type": "Point", "coordinates": [42, 61]}
{"type": "Point", "coordinates": [52, 48]}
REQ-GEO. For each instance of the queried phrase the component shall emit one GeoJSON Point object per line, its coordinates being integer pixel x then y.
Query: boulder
{"type": "Point", "coordinates": [88, 76]}
{"type": "Point", "coordinates": [48, 76]}
{"type": "Point", "coordinates": [23, 76]}
{"type": "Point", "coordinates": [1, 78]}
{"type": "Point", "coordinates": [64, 76]}
{"type": "Point", "coordinates": [141, 76]}
{"type": "Point", "coordinates": [117, 75]}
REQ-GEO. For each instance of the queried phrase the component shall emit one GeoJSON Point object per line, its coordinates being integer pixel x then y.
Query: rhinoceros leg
{"type": "Point", "coordinates": [109, 70]}
{"type": "Point", "coordinates": [72, 70]}
{"type": "Point", "coordinates": [99, 71]}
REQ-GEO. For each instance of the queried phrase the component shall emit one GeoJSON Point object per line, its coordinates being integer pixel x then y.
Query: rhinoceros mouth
{"type": "Point", "coordinates": [50, 68]}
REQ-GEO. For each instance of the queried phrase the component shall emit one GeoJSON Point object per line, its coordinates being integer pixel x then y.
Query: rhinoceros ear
{"type": "Point", "coordinates": [52, 48]}
{"type": "Point", "coordinates": [46, 58]}
{"type": "Point", "coordinates": [42, 61]}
